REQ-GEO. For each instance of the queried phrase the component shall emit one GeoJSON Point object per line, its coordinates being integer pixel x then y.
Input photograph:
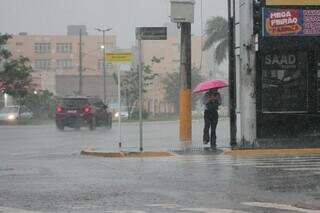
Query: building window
{"type": "Point", "coordinates": [64, 64]}
{"type": "Point", "coordinates": [42, 64]}
{"type": "Point", "coordinates": [42, 47]}
{"type": "Point", "coordinates": [284, 82]}
{"type": "Point", "coordinates": [64, 47]}
{"type": "Point", "coordinates": [19, 43]}
{"type": "Point", "coordinates": [100, 65]}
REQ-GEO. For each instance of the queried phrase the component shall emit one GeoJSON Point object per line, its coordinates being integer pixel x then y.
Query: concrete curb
{"type": "Point", "coordinates": [281, 152]}
{"type": "Point", "coordinates": [127, 154]}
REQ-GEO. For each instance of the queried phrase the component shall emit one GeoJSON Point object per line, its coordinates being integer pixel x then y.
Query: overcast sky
{"type": "Point", "coordinates": [53, 16]}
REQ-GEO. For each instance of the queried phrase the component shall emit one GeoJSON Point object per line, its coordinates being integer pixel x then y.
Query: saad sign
{"type": "Point", "coordinates": [280, 61]}
{"type": "Point", "coordinates": [291, 22]}
{"type": "Point", "coordinates": [293, 2]}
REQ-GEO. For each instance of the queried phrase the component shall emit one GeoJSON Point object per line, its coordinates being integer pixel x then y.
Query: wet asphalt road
{"type": "Point", "coordinates": [41, 170]}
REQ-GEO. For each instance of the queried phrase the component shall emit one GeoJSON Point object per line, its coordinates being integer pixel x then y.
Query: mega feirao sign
{"type": "Point", "coordinates": [291, 22]}
{"type": "Point", "coordinates": [283, 22]}
{"type": "Point", "coordinates": [293, 2]}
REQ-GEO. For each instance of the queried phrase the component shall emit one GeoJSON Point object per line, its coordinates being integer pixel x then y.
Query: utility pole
{"type": "Point", "coordinates": [232, 74]}
{"type": "Point", "coordinates": [80, 62]}
{"type": "Point", "coordinates": [185, 83]}
{"type": "Point", "coordinates": [182, 13]}
{"type": "Point", "coordinates": [104, 60]}
{"type": "Point", "coordinates": [247, 75]}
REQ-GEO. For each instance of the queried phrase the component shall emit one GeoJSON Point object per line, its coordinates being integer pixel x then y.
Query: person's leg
{"type": "Point", "coordinates": [213, 125]}
{"type": "Point", "coordinates": [206, 128]}
{"type": "Point", "coordinates": [213, 132]}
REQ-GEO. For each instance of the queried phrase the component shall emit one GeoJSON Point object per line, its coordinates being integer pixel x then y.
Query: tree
{"type": "Point", "coordinates": [130, 84]}
{"type": "Point", "coordinates": [217, 37]}
{"type": "Point", "coordinates": [42, 103]}
{"type": "Point", "coordinates": [15, 75]}
{"type": "Point", "coordinates": [172, 87]}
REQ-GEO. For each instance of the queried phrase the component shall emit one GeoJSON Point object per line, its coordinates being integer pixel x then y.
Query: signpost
{"type": "Point", "coordinates": [119, 57]}
{"type": "Point", "coordinates": [146, 33]}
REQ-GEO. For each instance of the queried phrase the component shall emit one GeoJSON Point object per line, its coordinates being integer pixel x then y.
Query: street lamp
{"type": "Point", "coordinates": [103, 46]}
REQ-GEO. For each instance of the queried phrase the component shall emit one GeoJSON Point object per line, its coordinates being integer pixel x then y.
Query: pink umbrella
{"type": "Point", "coordinates": [211, 84]}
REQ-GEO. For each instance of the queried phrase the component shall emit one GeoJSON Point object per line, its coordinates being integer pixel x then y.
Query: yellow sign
{"type": "Point", "coordinates": [119, 57]}
{"type": "Point", "coordinates": [293, 2]}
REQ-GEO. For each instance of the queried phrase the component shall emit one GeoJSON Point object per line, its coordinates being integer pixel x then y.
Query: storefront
{"type": "Point", "coordinates": [288, 73]}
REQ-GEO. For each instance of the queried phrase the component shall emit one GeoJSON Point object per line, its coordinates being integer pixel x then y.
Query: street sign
{"type": "Point", "coordinates": [119, 57]}
{"type": "Point", "coordinates": [151, 33]}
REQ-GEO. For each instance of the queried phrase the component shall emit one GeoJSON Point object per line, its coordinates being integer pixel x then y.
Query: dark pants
{"type": "Point", "coordinates": [210, 121]}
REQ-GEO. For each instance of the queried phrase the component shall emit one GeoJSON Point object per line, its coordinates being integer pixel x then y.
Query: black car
{"type": "Point", "coordinates": [81, 111]}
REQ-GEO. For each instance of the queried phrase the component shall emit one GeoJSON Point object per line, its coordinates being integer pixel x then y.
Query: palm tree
{"type": "Point", "coordinates": [217, 36]}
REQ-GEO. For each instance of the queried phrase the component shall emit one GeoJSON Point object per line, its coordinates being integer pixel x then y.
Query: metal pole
{"type": "Point", "coordinates": [185, 83]}
{"type": "Point", "coordinates": [80, 62]}
{"type": "Point", "coordinates": [104, 68]}
{"type": "Point", "coordinates": [232, 77]}
{"type": "Point", "coordinates": [119, 106]}
{"type": "Point", "coordinates": [140, 94]}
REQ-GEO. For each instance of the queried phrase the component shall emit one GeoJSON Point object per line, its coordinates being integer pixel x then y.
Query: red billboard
{"type": "Point", "coordinates": [291, 22]}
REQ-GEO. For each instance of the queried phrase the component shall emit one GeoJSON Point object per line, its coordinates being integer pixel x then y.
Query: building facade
{"type": "Point", "coordinates": [56, 59]}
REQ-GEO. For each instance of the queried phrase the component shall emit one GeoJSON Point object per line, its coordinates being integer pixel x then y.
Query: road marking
{"type": "Point", "coordinates": [164, 205]}
{"type": "Point", "coordinates": [13, 210]}
{"type": "Point", "coordinates": [126, 211]}
{"type": "Point", "coordinates": [213, 210]}
{"type": "Point", "coordinates": [285, 166]}
{"type": "Point", "coordinates": [302, 169]}
{"type": "Point", "coordinates": [280, 206]}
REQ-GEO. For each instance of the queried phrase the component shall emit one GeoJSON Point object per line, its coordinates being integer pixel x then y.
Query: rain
{"type": "Point", "coordinates": [140, 106]}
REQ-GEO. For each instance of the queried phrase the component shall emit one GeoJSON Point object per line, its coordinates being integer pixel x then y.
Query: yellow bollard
{"type": "Point", "coordinates": [185, 115]}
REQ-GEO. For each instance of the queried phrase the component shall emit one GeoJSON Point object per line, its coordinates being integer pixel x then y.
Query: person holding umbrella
{"type": "Point", "coordinates": [211, 100]}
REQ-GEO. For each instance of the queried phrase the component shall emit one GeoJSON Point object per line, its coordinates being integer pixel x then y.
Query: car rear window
{"type": "Point", "coordinates": [74, 102]}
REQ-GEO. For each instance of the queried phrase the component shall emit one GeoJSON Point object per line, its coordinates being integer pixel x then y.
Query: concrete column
{"type": "Point", "coordinates": [247, 75]}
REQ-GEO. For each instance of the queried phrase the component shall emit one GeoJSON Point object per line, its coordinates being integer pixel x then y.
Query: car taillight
{"type": "Point", "coordinates": [58, 109]}
{"type": "Point", "coordinates": [87, 109]}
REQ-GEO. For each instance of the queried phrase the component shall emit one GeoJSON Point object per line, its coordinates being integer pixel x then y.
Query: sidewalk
{"type": "Point", "coordinates": [163, 137]}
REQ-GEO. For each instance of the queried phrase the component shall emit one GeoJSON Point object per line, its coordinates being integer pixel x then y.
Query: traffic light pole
{"type": "Point", "coordinates": [185, 83]}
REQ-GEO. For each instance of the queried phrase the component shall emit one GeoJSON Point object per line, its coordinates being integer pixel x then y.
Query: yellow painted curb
{"type": "Point", "coordinates": [128, 154]}
{"type": "Point", "coordinates": [253, 152]}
